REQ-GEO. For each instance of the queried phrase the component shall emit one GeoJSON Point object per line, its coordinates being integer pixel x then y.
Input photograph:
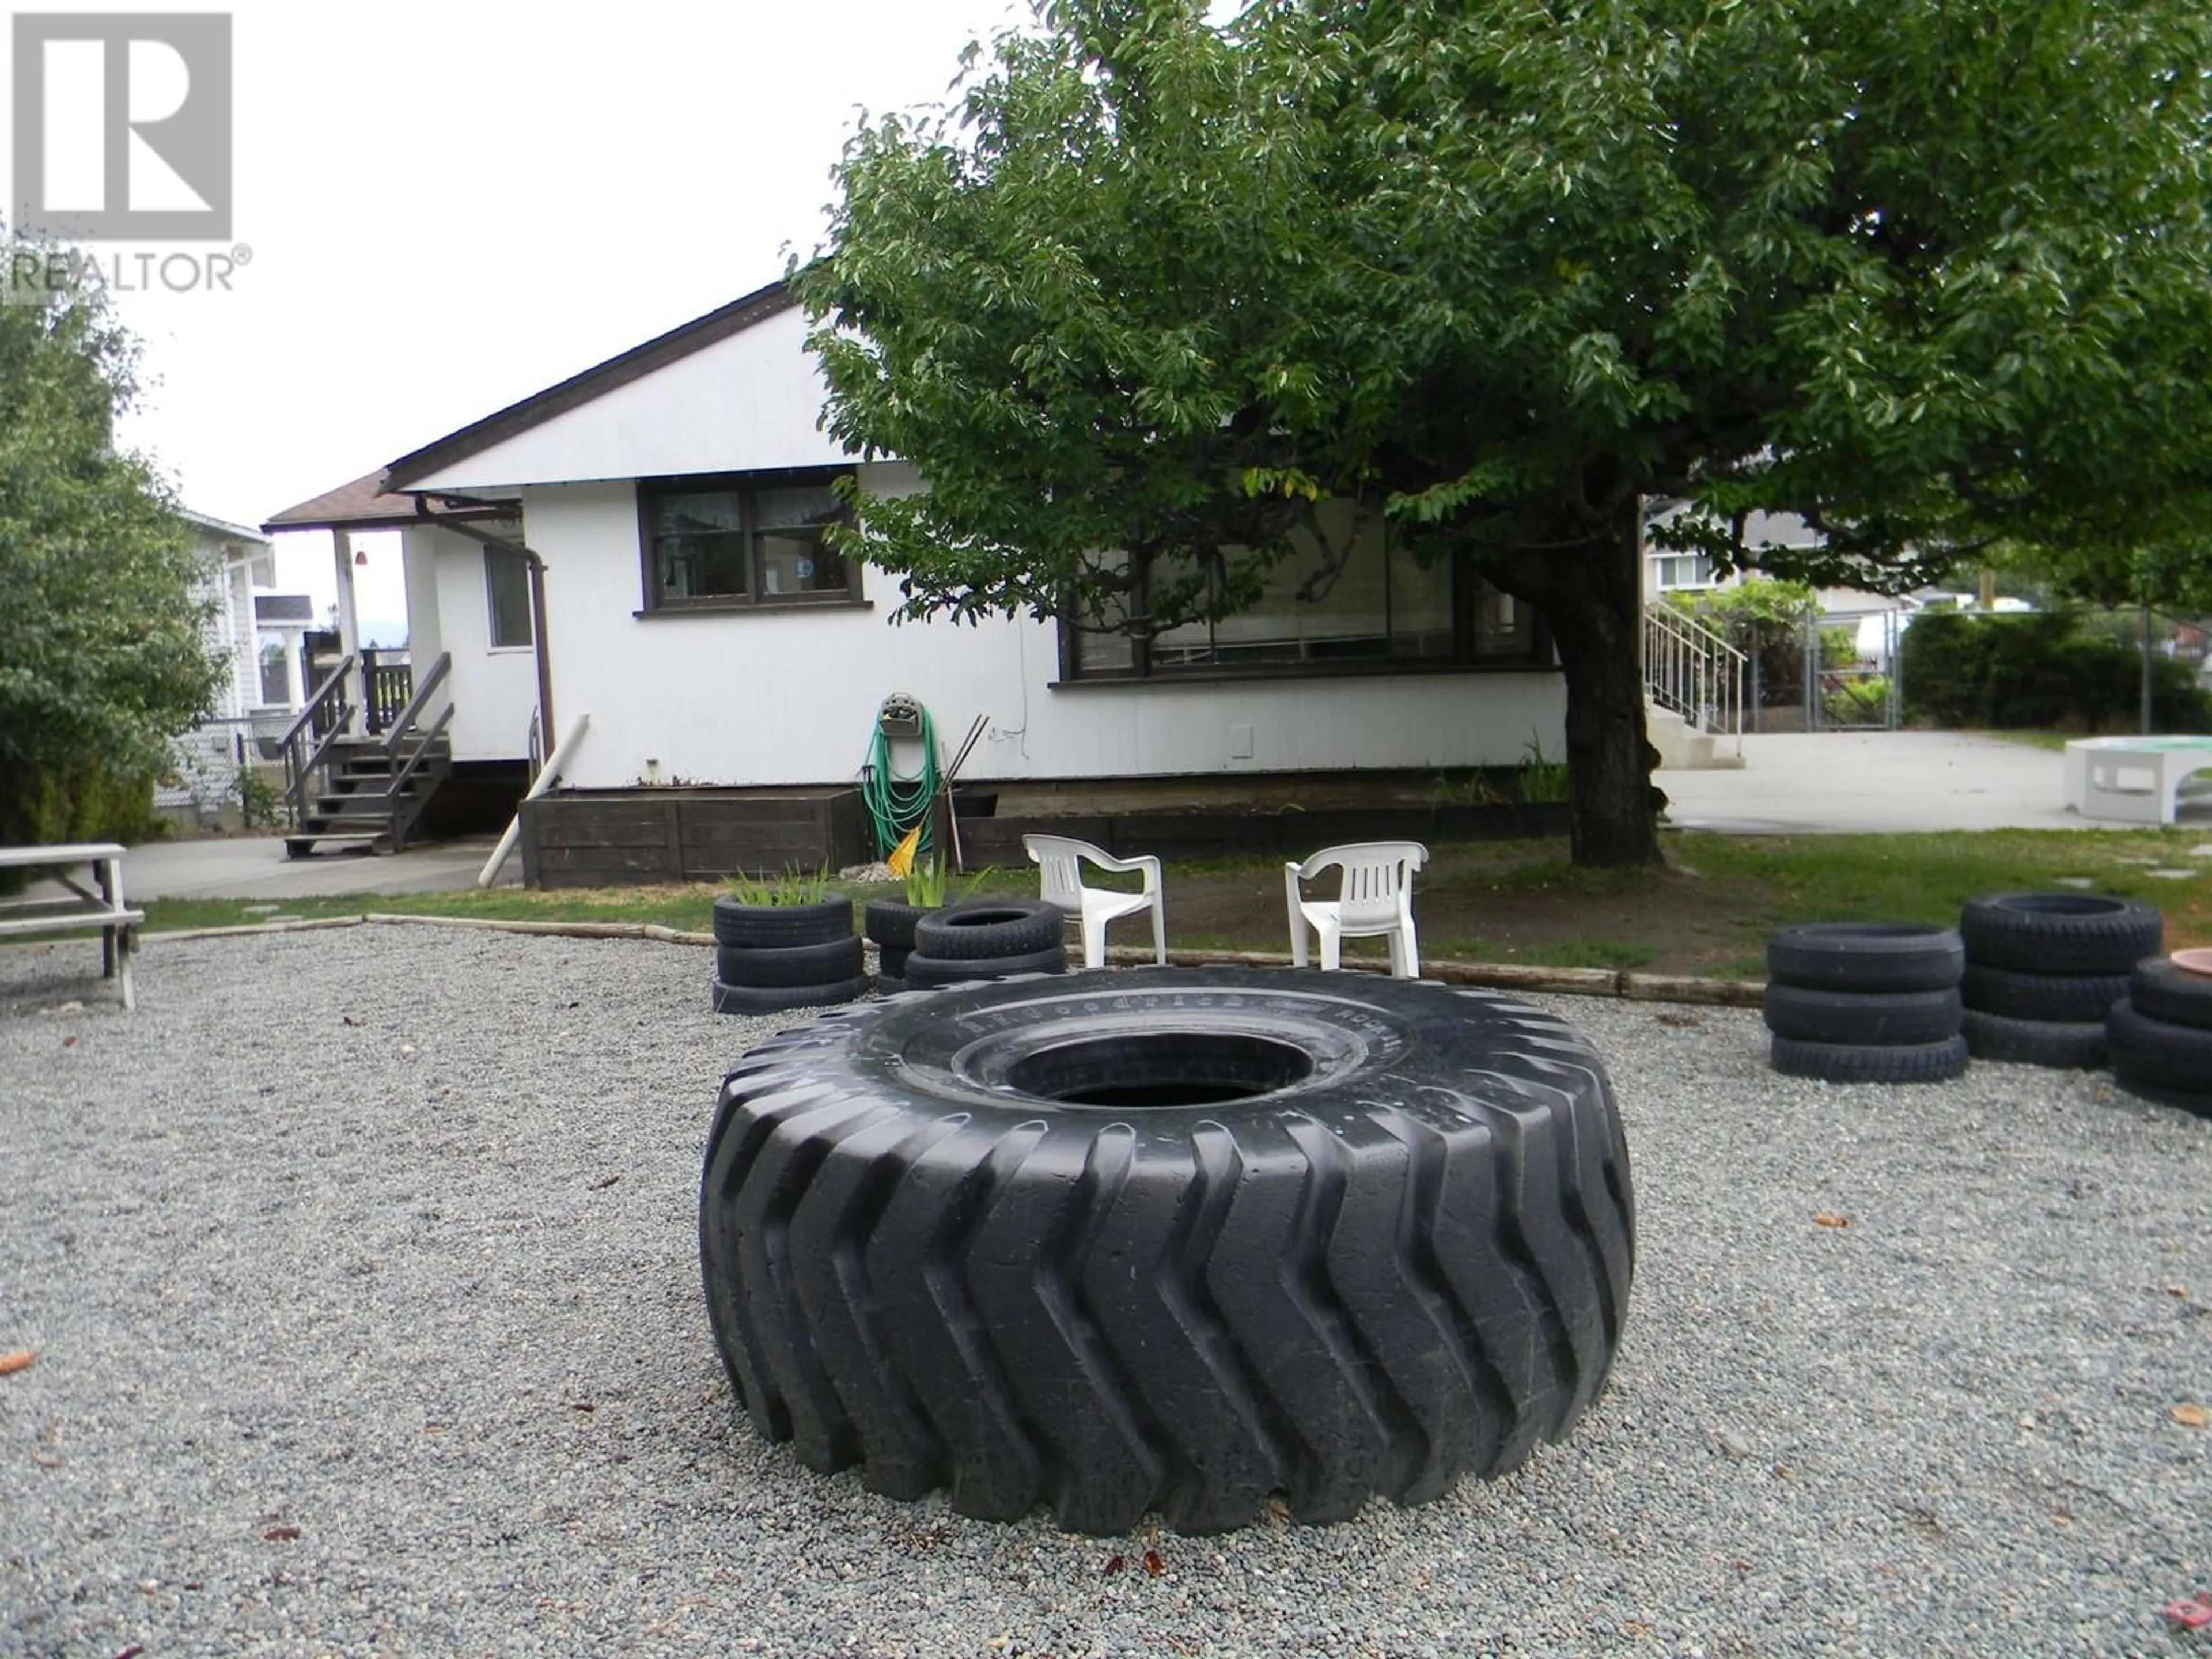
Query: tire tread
{"type": "Point", "coordinates": [1837, 1062]}
{"type": "Point", "coordinates": [2063, 1045]}
{"type": "Point", "coordinates": [945, 1303]}
{"type": "Point", "coordinates": [2079, 933]}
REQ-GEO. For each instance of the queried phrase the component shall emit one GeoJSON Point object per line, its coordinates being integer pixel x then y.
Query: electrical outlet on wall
{"type": "Point", "coordinates": [1240, 743]}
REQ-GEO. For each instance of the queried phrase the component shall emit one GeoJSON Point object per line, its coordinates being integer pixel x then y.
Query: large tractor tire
{"type": "Point", "coordinates": [1170, 1240]}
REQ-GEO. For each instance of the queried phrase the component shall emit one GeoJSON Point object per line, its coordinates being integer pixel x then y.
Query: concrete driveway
{"type": "Point", "coordinates": [1883, 783]}
{"type": "Point", "coordinates": [255, 867]}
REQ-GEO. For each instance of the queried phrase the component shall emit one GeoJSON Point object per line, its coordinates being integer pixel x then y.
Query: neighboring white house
{"type": "Point", "coordinates": [675, 499]}
{"type": "Point", "coordinates": [1666, 571]}
{"type": "Point", "coordinates": [234, 560]}
{"type": "Point", "coordinates": [236, 577]}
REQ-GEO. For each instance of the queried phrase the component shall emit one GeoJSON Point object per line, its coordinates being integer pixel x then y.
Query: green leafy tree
{"type": "Point", "coordinates": [101, 652]}
{"type": "Point", "coordinates": [1933, 275]}
{"type": "Point", "coordinates": [2173, 576]}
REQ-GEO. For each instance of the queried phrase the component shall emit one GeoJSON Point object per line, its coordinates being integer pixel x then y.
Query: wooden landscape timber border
{"type": "Point", "coordinates": [1623, 983]}
{"type": "Point", "coordinates": [628, 837]}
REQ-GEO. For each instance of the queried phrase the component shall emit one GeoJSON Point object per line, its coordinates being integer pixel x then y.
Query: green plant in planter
{"type": "Point", "coordinates": [1541, 778]}
{"type": "Point", "coordinates": [929, 884]}
{"type": "Point", "coordinates": [792, 887]}
{"type": "Point", "coordinates": [925, 883]}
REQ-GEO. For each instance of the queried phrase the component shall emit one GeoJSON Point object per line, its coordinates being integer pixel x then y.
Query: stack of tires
{"type": "Point", "coordinates": [985, 938]}
{"type": "Point", "coordinates": [2044, 969]}
{"type": "Point", "coordinates": [1865, 1001]}
{"type": "Point", "coordinates": [889, 924]}
{"type": "Point", "coordinates": [2162, 1034]}
{"type": "Point", "coordinates": [768, 957]}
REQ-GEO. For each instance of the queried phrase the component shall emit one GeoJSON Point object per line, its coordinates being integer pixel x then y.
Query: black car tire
{"type": "Point", "coordinates": [2070, 998]}
{"type": "Point", "coordinates": [987, 927]}
{"type": "Point", "coordinates": [1865, 956]}
{"type": "Point", "coordinates": [1854, 1062]}
{"type": "Point", "coordinates": [890, 923]}
{"type": "Point", "coordinates": [929, 971]}
{"type": "Point", "coordinates": [1168, 1239]}
{"type": "Point", "coordinates": [2076, 933]}
{"type": "Point", "coordinates": [777, 926]}
{"type": "Point", "coordinates": [892, 961]}
{"type": "Point", "coordinates": [2066, 1044]}
{"type": "Point", "coordinates": [790, 965]}
{"type": "Point", "coordinates": [774, 998]}
{"type": "Point", "coordinates": [1883, 1018]}
{"type": "Point", "coordinates": [2159, 1053]}
{"type": "Point", "coordinates": [2160, 990]}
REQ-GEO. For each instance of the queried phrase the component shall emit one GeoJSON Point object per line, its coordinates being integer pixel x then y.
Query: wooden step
{"type": "Point", "coordinates": [304, 846]}
{"type": "Point", "coordinates": [369, 800]}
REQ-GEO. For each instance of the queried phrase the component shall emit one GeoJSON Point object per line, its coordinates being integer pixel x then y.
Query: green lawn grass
{"type": "Point", "coordinates": [1708, 911]}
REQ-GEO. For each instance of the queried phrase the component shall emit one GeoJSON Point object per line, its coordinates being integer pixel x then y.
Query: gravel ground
{"type": "Point", "coordinates": [359, 1267]}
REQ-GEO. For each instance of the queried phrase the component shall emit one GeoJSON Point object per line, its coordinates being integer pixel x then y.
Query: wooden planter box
{"type": "Point", "coordinates": [632, 837]}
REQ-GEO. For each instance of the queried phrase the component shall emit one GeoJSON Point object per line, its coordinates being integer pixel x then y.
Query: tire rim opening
{"type": "Point", "coordinates": [1160, 1069]}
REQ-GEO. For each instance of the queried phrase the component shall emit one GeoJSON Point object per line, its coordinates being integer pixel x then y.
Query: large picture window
{"type": "Point", "coordinates": [1380, 609]}
{"type": "Point", "coordinates": [728, 542]}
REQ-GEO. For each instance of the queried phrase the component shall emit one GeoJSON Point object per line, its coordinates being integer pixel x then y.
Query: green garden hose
{"type": "Point", "coordinates": [897, 803]}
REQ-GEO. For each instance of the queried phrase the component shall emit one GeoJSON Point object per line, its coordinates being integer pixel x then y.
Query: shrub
{"type": "Point", "coordinates": [2043, 669]}
{"type": "Point", "coordinates": [1858, 702]}
{"type": "Point", "coordinates": [1765, 619]}
{"type": "Point", "coordinates": [45, 806]}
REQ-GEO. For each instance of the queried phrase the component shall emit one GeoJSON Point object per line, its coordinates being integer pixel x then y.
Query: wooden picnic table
{"type": "Point", "coordinates": [83, 908]}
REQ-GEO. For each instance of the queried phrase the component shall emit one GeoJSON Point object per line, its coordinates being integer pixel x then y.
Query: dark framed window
{"type": "Point", "coordinates": [737, 541]}
{"type": "Point", "coordinates": [506, 598]}
{"type": "Point", "coordinates": [1381, 611]}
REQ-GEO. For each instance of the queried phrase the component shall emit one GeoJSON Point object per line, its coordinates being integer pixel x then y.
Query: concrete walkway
{"type": "Point", "coordinates": [1883, 783]}
{"type": "Point", "coordinates": [255, 867]}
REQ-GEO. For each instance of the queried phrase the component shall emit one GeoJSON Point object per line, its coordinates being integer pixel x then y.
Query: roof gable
{"type": "Point", "coordinates": [471, 441]}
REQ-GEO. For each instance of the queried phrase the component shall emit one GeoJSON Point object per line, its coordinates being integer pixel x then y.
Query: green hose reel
{"type": "Point", "coordinates": [898, 800]}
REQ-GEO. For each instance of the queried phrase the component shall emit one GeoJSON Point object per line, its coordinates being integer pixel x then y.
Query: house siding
{"type": "Point", "coordinates": [495, 692]}
{"type": "Point", "coordinates": [789, 696]}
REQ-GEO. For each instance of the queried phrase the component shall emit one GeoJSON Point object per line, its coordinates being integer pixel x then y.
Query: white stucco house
{"type": "Point", "coordinates": [643, 545]}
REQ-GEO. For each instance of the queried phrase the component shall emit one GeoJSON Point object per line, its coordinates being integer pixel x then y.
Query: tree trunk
{"type": "Point", "coordinates": [1593, 602]}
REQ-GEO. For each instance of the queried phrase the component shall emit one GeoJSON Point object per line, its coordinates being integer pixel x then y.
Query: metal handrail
{"type": "Point", "coordinates": [1689, 668]}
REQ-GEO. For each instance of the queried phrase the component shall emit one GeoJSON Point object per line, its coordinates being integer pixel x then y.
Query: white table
{"type": "Point", "coordinates": [83, 908]}
{"type": "Point", "coordinates": [2132, 780]}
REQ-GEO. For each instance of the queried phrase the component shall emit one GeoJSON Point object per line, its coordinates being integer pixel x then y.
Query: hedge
{"type": "Point", "coordinates": [2039, 669]}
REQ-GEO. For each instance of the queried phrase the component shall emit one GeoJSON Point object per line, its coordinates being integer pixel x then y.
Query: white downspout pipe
{"type": "Point", "coordinates": [547, 776]}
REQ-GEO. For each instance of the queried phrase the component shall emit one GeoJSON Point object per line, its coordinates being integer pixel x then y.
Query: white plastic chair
{"type": "Point", "coordinates": [1060, 860]}
{"type": "Point", "coordinates": [1376, 900]}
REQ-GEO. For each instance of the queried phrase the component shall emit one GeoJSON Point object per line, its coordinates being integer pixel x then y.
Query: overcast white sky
{"type": "Point", "coordinates": [452, 204]}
